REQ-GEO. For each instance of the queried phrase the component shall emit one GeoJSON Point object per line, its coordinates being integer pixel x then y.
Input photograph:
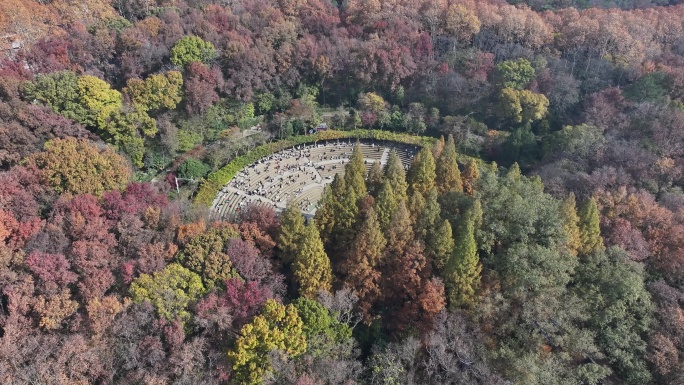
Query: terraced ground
{"type": "Point", "coordinates": [299, 173]}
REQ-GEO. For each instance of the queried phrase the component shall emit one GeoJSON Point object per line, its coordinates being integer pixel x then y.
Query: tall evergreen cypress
{"type": "Point", "coordinates": [415, 205]}
{"type": "Point", "coordinates": [328, 207]}
{"type": "Point", "coordinates": [462, 271]}
{"type": "Point", "coordinates": [440, 243]}
{"type": "Point", "coordinates": [363, 275]}
{"type": "Point", "coordinates": [590, 229]}
{"type": "Point", "coordinates": [291, 229]}
{"type": "Point", "coordinates": [568, 211]}
{"type": "Point", "coordinates": [396, 175]}
{"type": "Point", "coordinates": [355, 175]}
{"type": "Point", "coordinates": [399, 233]}
{"type": "Point", "coordinates": [385, 205]}
{"type": "Point", "coordinates": [470, 176]}
{"type": "Point", "coordinates": [375, 179]}
{"type": "Point", "coordinates": [421, 175]}
{"type": "Point", "coordinates": [311, 267]}
{"type": "Point", "coordinates": [428, 217]}
{"type": "Point", "coordinates": [448, 176]}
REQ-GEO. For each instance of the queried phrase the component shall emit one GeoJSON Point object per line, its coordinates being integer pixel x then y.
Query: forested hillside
{"type": "Point", "coordinates": [540, 240]}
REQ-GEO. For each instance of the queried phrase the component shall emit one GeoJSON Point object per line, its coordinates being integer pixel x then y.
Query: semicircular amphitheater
{"type": "Point", "coordinates": [299, 174]}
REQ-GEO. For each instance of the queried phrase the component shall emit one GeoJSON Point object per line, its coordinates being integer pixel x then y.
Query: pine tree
{"type": "Point", "coordinates": [291, 229]}
{"type": "Point", "coordinates": [462, 271]}
{"type": "Point", "coordinates": [448, 176]}
{"type": "Point", "coordinates": [375, 179]}
{"type": "Point", "coordinates": [438, 147]}
{"type": "Point", "coordinates": [399, 233]}
{"type": "Point", "coordinates": [311, 267]}
{"type": "Point", "coordinates": [589, 229]}
{"type": "Point", "coordinates": [470, 176]}
{"type": "Point", "coordinates": [355, 175]}
{"type": "Point", "coordinates": [363, 276]}
{"type": "Point", "coordinates": [421, 175]}
{"type": "Point", "coordinates": [396, 175]}
{"type": "Point", "coordinates": [385, 205]}
{"type": "Point", "coordinates": [568, 211]}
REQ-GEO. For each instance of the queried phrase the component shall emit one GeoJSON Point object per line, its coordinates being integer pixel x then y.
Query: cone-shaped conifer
{"type": "Point", "coordinates": [291, 229]}
{"type": "Point", "coordinates": [311, 267]}
{"type": "Point", "coordinates": [396, 175]}
{"type": "Point", "coordinates": [462, 271]}
{"type": "Point", "coordinates": [385, 205]}
{"type": "Point", "coordinates": [363, 275]}
{"type": "Point", "coordinates": [421, 175]}
{"type": "Point", "coordinates": [448, 177]}
{"type": "Point", "coordinates": [589, 227]}
{"type": "Point", "coordinates": [470, 176]}
{"type": "Point", "coordinates": [375, 179]}
{"type": "Point", "coordinates": [568, 211]}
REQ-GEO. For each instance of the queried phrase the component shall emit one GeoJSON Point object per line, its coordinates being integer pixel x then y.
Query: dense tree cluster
{"type": "Point", "coordinates": [455, 270]}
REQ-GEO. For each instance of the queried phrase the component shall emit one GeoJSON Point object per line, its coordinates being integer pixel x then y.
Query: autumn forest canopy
{"type": "Point", "coordinates": [536, 238]}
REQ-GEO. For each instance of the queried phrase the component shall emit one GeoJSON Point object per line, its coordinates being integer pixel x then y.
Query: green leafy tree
{"type": "Point", "coordinates": [157, 91]}
{"type": "Point", "coordinates": [522, 106]}
{"type": "Point", "coordinates": [311, 267]}
{"type": "Point", "coordinates": [396, 175]}
{"type": "Point", "coordinates": [521, 245]}
{"type": "Point", "coordinates": [204, 254]}
{"type": "Point", "coordinates": [290, 232]}
{"type": "Point", "coordinates": [277, 329]}
{"type": "Point", "coordinates": [448, 176]}
{"type": "Point", "coordinates": [193, 168]}
{"type": "Point", "coordinates": [371, 102]}
{"type": "Point", "coordinates": [515, 74]}
{"type": "Point", "coordinates": [322, 329]}
{"type": "Point", "coordinates": [126, 128]}
{"type": "Point", "coordinates": [190, 49]}
{"type": "Point", "coordinates": [59, 91]}
{"type": "Point", "coordinates": [421, 175]}
{"type": "Point", "coordinates": [78, 167]}
{"type": "Point", "coordinates": [620, 310]}
{"type": "Point", "coordinates": [99, 100]}
{"type": "Point", "coordinates": [516, 209]}
{"type": "Point", "coordinates": [170, 291]}
{"type": "Point", "coordinates": [589, 228]}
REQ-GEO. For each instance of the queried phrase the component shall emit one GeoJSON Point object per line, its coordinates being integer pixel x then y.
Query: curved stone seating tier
{"type": "Point", "coordinates": [298, 174]}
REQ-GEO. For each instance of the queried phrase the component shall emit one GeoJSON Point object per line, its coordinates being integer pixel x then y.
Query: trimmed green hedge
{"type": "Point", "coordinates": [210, 186]}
